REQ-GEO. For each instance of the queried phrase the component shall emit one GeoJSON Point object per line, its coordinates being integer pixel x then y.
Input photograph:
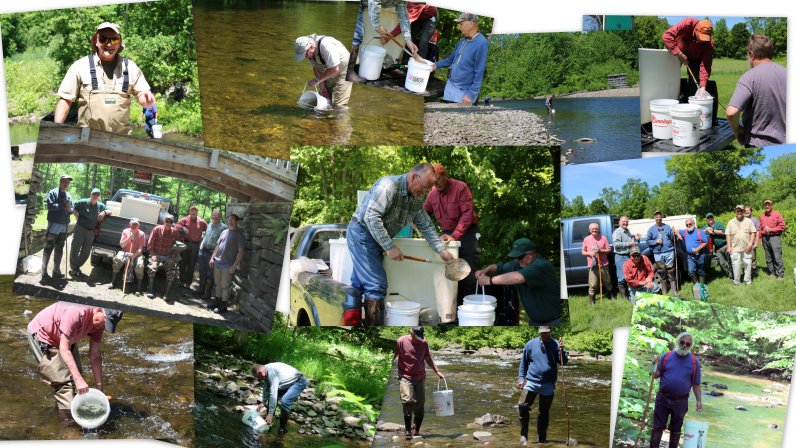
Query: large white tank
{"type": "Point", "coordinates": [145, 210]}
{"type": "Point", "coordinates": [659, 78]}
{"type": "Point", "coordinates": [340, 260]}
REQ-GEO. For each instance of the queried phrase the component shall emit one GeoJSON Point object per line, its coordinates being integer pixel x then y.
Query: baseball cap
{"type": "Point", "coordinates": [768, 201]}
{"type": "Point", "coordinates": [110, 25]}
{"type": "Point", "coordinates": [303, 43]}
{"type": "Point", "coordinates": [657, 212]}
{"type": "Point", "coordinates": [709, 215]}
{"type": "Point", "coordinates": [544, 329]}
{"type": "Point", "coordinates": [95, 191]}
{"type": "Point", "coordinates": [418, 332]}
{"type": "Point", "coordinates": [466, 16]}
{"type": "Point", "coordinates": [521, 247]}
{"type": "Point", "coordinates": [739, 207]}
{"type": "Point", "coordinates": [439, 169]}
{"type": "Point", "coordinates": [635, 250]}
{"type": "Point", "coordinates": [168, 217]}
{"type": "Point", "coordinates": [704, 30]}
{"type": "Point", "coordinates": [66, 177]}
{"type": "Point", "coordinates": [112, 318]}
{"type": "Point", "coordinates": [134, 221]}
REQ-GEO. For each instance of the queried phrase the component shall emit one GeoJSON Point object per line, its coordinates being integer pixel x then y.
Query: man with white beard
{"type": "Point", "coordinates": [679, 371]}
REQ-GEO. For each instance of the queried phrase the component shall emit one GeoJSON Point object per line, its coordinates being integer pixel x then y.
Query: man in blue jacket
{"type": "Point", "coordinates": [467, 63]}
{"type": "Point", "coordinates": [660, 240]}
{"type": "Point", "coordinates": [538, 376]}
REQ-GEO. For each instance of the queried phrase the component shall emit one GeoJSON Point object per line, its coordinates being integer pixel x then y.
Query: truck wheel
{"type": "Point", "coordinates": [96, 260]}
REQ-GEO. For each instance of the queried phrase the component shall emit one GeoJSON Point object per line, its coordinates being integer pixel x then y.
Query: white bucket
{"type": "Point", "coordinates": [695, 434]}
{"type": "Point", "coordinates": [253, 419]}
{"type": "Point", "coordinates": [402, 313]}
{"type": "Point", "coordinates": [480, 299]}
{"type": "Point", "coordinates": [707, 110]}
{"type": "Point", "coordinates": [157, 131]}
{"type": "Point", "coordinates": [417, 76]}
{"type": "Point", "coordinates": [443, 401]}
{"type": "Point", "coordinates": [371, 61]}
{"type": "Point", "coordinates": [661, 118]}
{"type": "Point", "coordinates": [685, 124]}
{"type": "Point", "coordinates": [476, 316]}
{"type": "Point", "coordinates": [313, 100]}
{"type": "Point", "coordinates": [91, 409]}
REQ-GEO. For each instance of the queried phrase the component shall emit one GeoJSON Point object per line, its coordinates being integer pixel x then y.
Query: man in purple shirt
{"type": "Point", "coordinates": [451, 203]}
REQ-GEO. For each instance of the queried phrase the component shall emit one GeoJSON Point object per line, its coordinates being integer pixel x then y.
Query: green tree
{"type": "Point", "coordinates": [598, 207]}
{"type": "Point", "coordinates": [739, 38]}
{"type": "Point", "coordinates": [721, 39]}
{"type": "Point", "coordinates": [776, 28]}
{"type": "Point", "coordinates": [632, 199]}
{"type": "Point", "coordinates": [779, 182]}
{"type": "Point", "coordinates": [650, 31]}
{"type": "Point", "coordinates": [576, 207]}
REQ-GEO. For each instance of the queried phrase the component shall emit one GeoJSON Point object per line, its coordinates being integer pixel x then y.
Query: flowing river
{"type": "Point", "coordinates": [147, 369]}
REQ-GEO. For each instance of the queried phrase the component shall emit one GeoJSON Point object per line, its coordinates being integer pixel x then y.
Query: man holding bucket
{"type": "Point", "coordinates": [281, 382]}
{"type": "Point", "coordinates": [413, 354]}
{"type": "Point", "coordinates": [679, 371]}
{"type": "Point", "coordinates": [329, 60]}
{"type": "Point", "coordinates": [535, 278]}
{"type": "Point", "coordinates": [53, 335]}
{"type": "Point", "coordinates": [103, 83]}
{"type": "Point", "coordinates": [691, 41]}
{"type": "Point", "coordinates": [467, 62]}
{"type": "Point", "coordinates": [538, 376]}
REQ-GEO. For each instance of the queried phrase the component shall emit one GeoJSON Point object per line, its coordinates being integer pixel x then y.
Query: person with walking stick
{"type": "Point", "coordinates": [680, 372]}
{"type": "Point", "coordinates": [596, 249]}
{"type": "Point", "coordinates": [538, 376]}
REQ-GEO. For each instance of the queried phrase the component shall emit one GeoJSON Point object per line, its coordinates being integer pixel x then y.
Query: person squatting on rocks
{"type": "Point", "coordinates": [132, 243]}
{"type": "Point", "coordinates": [191, 228]}
{"type": "Point", "coordinates": [225, 261]}
{"type": "Point", "coordinates": [391, 204]}
{"type": "Point", "coordinates": [282, 383]}
{"type": "Point", "coordinates": [53, 336]}
{"type": "Point", "coordinates": [623, 241]}
{"type": "Point", "coordinates": [595, 247]}
{"type": "Point", "coordinates": [89, 213]}
{"type": "Point", "coordinates": [103, 83]}
{"type": "Point", "coordinates": [661, 239]}
{"type": "Point", "coordinates": [538, 375]}
{"type": "Point", "coordinates": [413, 354]}
{"type": "Point", "coordinates": [59, 209]}
{"type": "Point", "coordinates": [467, 62]}
{"type": "Point", "coordinates": [162, 253]}
{"type": "Point", "coordinates": [329, 60]}
{"type": "Point", "coordinates": [638, 274]}
{"type": "Point", "coordinates": [679, 371]}
{"type": "Point", "coordinates": [535, 278]}
{"type": "Point", "coordinates": [206, 248]}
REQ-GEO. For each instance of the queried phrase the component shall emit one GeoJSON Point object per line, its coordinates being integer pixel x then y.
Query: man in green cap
{"type": "Point", "coordinates": [89, 212]}
{"type": "Point", "coordinates": [535, 279]}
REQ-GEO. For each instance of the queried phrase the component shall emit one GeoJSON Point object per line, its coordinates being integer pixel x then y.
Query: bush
{"type": "Point", "coordinates": [32, 82]}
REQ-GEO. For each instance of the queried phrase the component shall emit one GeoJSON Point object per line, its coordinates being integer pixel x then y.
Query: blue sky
{"type": "Point", "coordinates": [730, 20]}
{"type": "Point", "coordinates": [589, 179]}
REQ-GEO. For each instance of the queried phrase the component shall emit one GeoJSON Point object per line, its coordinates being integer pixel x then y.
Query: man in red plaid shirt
{"type": "Point", "coordinates": [162, 253]}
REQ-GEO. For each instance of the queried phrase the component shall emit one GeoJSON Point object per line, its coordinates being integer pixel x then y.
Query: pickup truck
{"type": "Point", "coordinates": [573, 230]}
{"type": "Point", "coordinates": [106, 243]}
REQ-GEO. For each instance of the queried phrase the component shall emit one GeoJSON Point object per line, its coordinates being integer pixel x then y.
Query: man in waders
{"type": "Point", "coordinates": [280, 382]}
{"type": "Point", "coordinates": [538, 376]}
{"type": "Point", "coordinates": [89, 212]}
{"type": "Point", "coordinates": [329, 60]}
{"type": "Point", "coordinates": [413, 354]}
{"type": "Point", "coordinates": [679, 371]}
{"type": "Point", "coordinates": [53, 335]}
{"type": "Point", "coordinates": [59, 209]}
{"type": "Point", "coordinates": [103, 83]}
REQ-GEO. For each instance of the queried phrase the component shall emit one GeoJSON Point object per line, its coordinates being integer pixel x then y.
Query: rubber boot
{"type": "Point", "coordinates": [611, 294]}
{"type": "Point", "coordinates": [202, 286]}
{"type": "Point", "coordinates": [167, 291]}
{"type": "Point", "coordinates": [283, 418]}
{"type": "Point", "coordinates": [140, 287]}
{"type": "Point", "coordinates": [151, 290]}
{"type": "Point", "coordinates": [208, 289]}
{"type": "Point", "coordinates": [623, 291]}
{"type": "Point", "coordinates": [379, 313]}
{"type": "Point", "coordinates": [674, 439]}
{"type": "Point", "coordinates": [673, 282]}
{"type": "Point", "coordinates": [591, 299]}
{"type": "Point", "coordinates": [113, 280]}
{"type": "Point", "coordinates": [371, 310]}
{"type": "Point", "coordinates": [693, 278]}
{"type": "Point", "coordinates": [57, 274]}
{"type": "Point", "coordinates": [408, 426]}
{"type": "Point", "coordinates": [45, 260]}
{"type": "Point", "coordinates": [655, 438]}
{"type": "Point", "coordinates": [418, 422]}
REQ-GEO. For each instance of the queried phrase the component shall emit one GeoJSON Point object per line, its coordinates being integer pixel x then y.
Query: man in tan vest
{"type": "Point", "coordinates": [103, 84]}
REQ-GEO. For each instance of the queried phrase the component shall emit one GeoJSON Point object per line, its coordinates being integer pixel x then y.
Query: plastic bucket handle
{"type": "Point", "coordinates": [446, 383]}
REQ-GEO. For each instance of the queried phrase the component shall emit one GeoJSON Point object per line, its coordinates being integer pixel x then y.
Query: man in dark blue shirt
{"type": "Point", "coordinates": [679, 371]}
{"type": "Point", "coordinates": [59, 208]}
{"type": "Point", "coordinates": [538, 376]}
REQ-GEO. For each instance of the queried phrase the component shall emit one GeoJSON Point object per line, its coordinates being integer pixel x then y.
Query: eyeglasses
{"type": "Point", "coordinates": [106, 39]}
{"type": "Point", "coordinates": [635, 256]}
{"type": "Point", "coordinates": [689, 225]}
{"type": "Point", "coordinates": [685, 344]}
{"type": "Point", "coordinates": [521, 256]}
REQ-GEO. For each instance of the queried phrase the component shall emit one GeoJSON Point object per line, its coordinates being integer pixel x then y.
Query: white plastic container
{"type": "Point", "coordinates": [443, 401]}
{"type": "Point", "coordinates": [659, 77]}
{"type": "Point", "coordinates": [417, 76]}
{"type": "Point", "coordinates": [144, 210]}
{"type": "Point", "coordinates": [313, 100]}
{"type": "Point", "coordinates": [371, 62]}
{"type": "Point", "coordinates": [402, 313]}
{"type": "Point", "coordinates": [476, 316]}
{"type": "Point", "coordinates": [116, 207]}
{"type": "Point", "coordinates": [340, 261]}
{"type": "Point", "coordinates": [695, 434]}
{"type": "Point", "coordinates": [706, 117]}
{"type": "Point", "coordinates": [661, 117]}
{"type": "Point", "coordinates": [685, 124]}
{"type": "Point", "coordinates": [480, 299]}
{"type": "Point", "coordinates": [253, 419]}
{"type": "Point", "coordinates": [157, 131]}
{"type": "Point", "coordinates": [97, 402]}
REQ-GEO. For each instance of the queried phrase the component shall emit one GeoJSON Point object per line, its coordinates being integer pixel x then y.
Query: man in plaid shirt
{"type": "Point", "coordinates": [162, 253]}
{"type": "Point", "coordinates": [392, 203]}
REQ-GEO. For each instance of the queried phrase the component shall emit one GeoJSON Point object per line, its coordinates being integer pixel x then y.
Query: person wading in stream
{"type": "Point", "coordinates": [329, 60]}
{"type": "Point", "coordinates": [679, 371]}
{"type": "Point", "coordinates": [53, 336]}
{"type": "Point", "coordinates": [392, 203]}
{"type": "Point", "coordinates": [413, 354]}
{"type": "Point", "coordinates": [282, 383]}
{"type": "Point", "coordinates": [538, 376]}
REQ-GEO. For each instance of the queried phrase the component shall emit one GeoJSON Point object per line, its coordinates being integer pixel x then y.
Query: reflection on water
{"type": "Point", "coordinates": [486, 384]}
{"type": "Point", "coordinates": [23, 132]}
{"type": "Point", "coordinates": [611, 122]}
{"type": "Point", "coordinates": [147, 370]}
{"type": "Point", "coordinates": [250, 82]}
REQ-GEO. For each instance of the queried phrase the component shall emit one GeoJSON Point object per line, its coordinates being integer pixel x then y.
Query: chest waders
{"type": "Point", "coordinates": [102, 108]}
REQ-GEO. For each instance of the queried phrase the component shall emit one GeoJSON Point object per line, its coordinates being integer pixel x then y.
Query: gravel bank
{"type": "Point", "coordinates": [608, 93]}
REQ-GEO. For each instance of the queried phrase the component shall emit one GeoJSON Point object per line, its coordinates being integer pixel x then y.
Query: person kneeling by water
{"type": "Point", "coordinates": [281, 382]}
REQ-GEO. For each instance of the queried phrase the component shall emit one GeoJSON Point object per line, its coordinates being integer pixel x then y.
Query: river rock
{"type": "Point", "coordinates": [482, 435]}
{"type": "Point", "coordinates": [720, 386]}
{"type": "Point", "coordinates": [773, 426]}
{"type": "Point", "coordinates": [387, 426]}
{"type": "Point", "coordinates": [715, 393]}
{"type": "Point", "coordinates": [352, 421]}
{"type": "Point", "coordinates": [740, 408]}
{"type": "Point", "coordinates": [767, 391]}
{"type": "Point", "coordinates": [492, 420]}
{"type": "Point", "coordinates": [452, 124]}
{"type": "Point", "coordinates": [216, 376]}
{"type": "Point", "coordinates": [484, 351]}
{"type": "Point", "coordinates": [232, 387]}
{"type": "Point", "coordinates": [250, 399]}
{"type": "Point", "coordinates": [312, 413]}
{"type": "Point", "coordinates": [318, 407]}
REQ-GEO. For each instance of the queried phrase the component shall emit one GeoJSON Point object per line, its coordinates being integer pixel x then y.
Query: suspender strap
{"type": "Point", "coordinates": [93, 70]}
{"type": "Point", "coordinates": [318, 51]}
{"type": "Point", "coordinates": [126, 83]}
{"type": "Point", "coordinates": [693, 363]}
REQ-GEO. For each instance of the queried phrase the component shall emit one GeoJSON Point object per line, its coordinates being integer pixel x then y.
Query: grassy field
{"type": "Point", "coordinates": [608, 315]}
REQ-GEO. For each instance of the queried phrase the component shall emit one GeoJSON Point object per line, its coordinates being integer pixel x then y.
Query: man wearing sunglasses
{"type": "Point", "coordinates": [695, 243]}
{"type": "Point", "coordinates": [680, 372]}
{"type": "Point", "coordinates": [103, 83]}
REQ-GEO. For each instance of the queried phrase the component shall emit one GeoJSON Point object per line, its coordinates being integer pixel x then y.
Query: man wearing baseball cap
{"type": "Point", "coordinates": [329, 60]}
{"type": "Point", "coordinates": [691, 41]}
{"type": "Point", "coordinates": [660, 239]}
{"type": "Point", "coordinates": [103, 84]}
{"type": "Point", "coordinates": [771, 227]}
{"type": "Point", "coordinates": [740, 239]}
{"type": "Point", "coordinates": [132, 243]}
{"type": "Point", "coordinates": [163, 253]}
{"type": "Point", "coordinates": [717, 243]}
{"type": "Point", "coordinates": [537, 377]}
{"type": "Point", "coordinates": [59, 209]}
{"type": "Point", "coordinates": [89, 213]}
{"type": "Point", "coordinates": [535, 278]}
{"type": "Point", "coordinates": [467, 62]}
{"type": "Point", "coordinates": [192, 228]}
{"type": "Point", "coordinates": [413, 354]}
{"type": "Point", "coordinates": [53, 336]}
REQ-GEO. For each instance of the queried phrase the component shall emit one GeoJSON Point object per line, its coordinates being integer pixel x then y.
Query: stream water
{"type": "Point", "coordinates": [486, 384]}
{"type": "Point", "coordinates": [611, 122]}
{"type": "Point", "coordinates": [147, 369]}
{"type": "Point", "coordinates": [23, 132]}
{"type": "Point", "coordinates": [250, 82]}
